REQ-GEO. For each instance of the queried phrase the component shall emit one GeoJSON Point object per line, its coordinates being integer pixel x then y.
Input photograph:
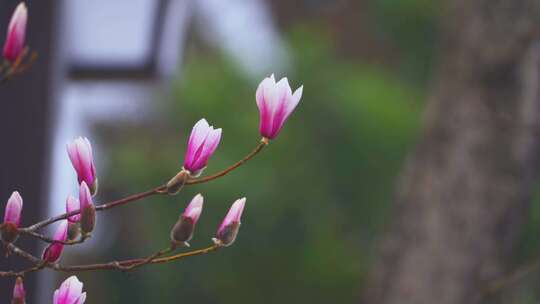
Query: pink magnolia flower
{"type": "Point", "coordinates": [16, 33]}
{"type": "Point", "coordinates": [72, 204]}
{"type": "Point", "coordinates": [14, 209]}
{"type": "Point", "coordinates": [19, 295]}
{"type": "Point", "coordinates": [182, 231]}
{"type": "Point", "coordinates": [228, 230]}
{"type": "Point", "coordinates": [202, 143]}
{"type": "Point", "coordinates": [53, 252]}
{"type": "Point", "coordinates": [276, 102]}
{"type": "Point", "coordinates": [88, 210]}
{"type": "Point", "coordinates": [70, 292]}
{"type": "Point", "coordinates": [80, 154]}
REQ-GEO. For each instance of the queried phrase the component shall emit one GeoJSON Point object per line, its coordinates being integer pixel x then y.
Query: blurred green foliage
{"type": "Point", "coordinates": [317, 197]}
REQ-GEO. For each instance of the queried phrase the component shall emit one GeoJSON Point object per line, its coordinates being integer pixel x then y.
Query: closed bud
{"type": "Point", "coordinates": [12, 218]}
{"type": "Point", "coordinates": [177, 182]}
{"type": "Point", "coordinates": [14, 45]}
{"type": "Point", "coordinates": [88, 219]}
{"type": "Point", "coordinates": [19, 295]}
{"type": "Point", "coordinates": [182, 232]}
{"type": "Point", "coordinates": [88, 210]}
{"type": "Point", "coordinates": [82, 158]}
{"type": "Point", "coordinates": [14, 209]}
{"type": "Point", "coordinates": [53, 252]}
{"type": "Point", "coordinates": [228, 230]}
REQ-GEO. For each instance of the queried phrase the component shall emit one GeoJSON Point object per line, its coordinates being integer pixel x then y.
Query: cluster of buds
{"type": "Point", "coordinates": [69, 292]}
{"type": "Point", "coordinates": [183, 230]}
{"type": "Point", "coordinates": [275, 101]}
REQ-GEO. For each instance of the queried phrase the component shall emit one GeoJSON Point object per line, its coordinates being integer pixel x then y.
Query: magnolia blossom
{"type": "Point", "coordinates": [276, 102]}
{"type": "Point", "coordinates": [88, 210]}
{"type": "Point", "coordinates": [53, 252]}
{"type": "Point", "coordinates": [228, 230]}
{"type": "Point", "coordinates": [19, 295]}
{"type": "Point", "coordinates": [202, 143]}
{"type": "Point", "coordinates": [16, 33]}
{"type": "Point", "coordinates": [14, 209]}
{"type": "Point", "coordinates": [80, 154]}
{"type": "Point", "coordinates": [72, 204]}
{"type": "Point", "coordinates": [70, 292]}
{"type": "Point", "coordinates": [182, 231]}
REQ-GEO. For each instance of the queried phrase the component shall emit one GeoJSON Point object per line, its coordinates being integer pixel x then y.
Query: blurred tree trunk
{"type": "Point", "coordinates": [464, 191]}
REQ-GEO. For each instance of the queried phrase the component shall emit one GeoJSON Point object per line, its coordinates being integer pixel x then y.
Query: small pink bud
{"type": "Point", "coordinates": [80, 154]}
{"type": "Point", "coordinates": [13, 209]}
{"type": "Point", "coordinates": [72, 204]}
{"type": "Point", "coordinates": [70, 292]}
{"type": "Point", "coordinates": [88, 210]}
{"type": "Point", "coordinates": [53, 252]}
{"type": "Point", "coordinates": [202, 143]}
{"type": "Point", "coordinates": [12, 218]}
{"type": "Point", "coordinates": [19, 295]}
{"type": "Point", "coordinates": [16, 33]}
{"type": "Point", "coordinates": [182, 231]}
{"type": "Point", "coordinates": [228, 230]}
{"type": "Point", "coordinates": [276, 102]}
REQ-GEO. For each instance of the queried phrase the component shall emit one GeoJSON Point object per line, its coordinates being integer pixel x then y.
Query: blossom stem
{"type": "Point", "coordinates": [114, 265]}
{"type": "Point", "coordinates": [50, 240]}
{"type": "Point", "coordinates": [138, 196]}
{"type": "Point", "coordinates": [263, 143]}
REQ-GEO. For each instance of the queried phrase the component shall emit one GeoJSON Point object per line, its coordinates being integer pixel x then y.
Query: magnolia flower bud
{"type": "Point", "coordinates": [16, 33]}
{"type": "Point", "coordinates": [88, 210]}
{"type": "Point", "coordinates": [202, 143]}
{"type": "Point", "coordinates": [276, 102]}
{"type": "Point", "coordinates": [70, 292]}
{"type": "Point", "coordinates": [53, 252]}
{"type": "Point", "coordinates": [182, 231]}
{"type": "Point", "coordinates": [19, 295]}
{"type": "Point", "coordinates": [82, 159]}
{"type": "Point", "coordinates": [228, 230]}
{"type": "Point", "coordinates": [12, 218]}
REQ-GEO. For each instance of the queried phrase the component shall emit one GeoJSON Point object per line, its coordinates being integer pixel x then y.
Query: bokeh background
{"type": "Point", "coordinates": [134, 76]}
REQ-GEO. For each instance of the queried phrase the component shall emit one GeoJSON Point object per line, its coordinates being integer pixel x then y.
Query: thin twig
{"type": "Point", "coordinates": [123, 201]}
{"type": "Point", "coordinates": [148, 260]}
{"type": "Point", "coordinates": [155, 191]}
{"type": "Point", "coordinates": [121, 265]}
{"type": "Point", "coordinates": [49, 240]}
{"type": "Point", "coordinates": [263, 143]}
{"type": "Point", "coordinates": [114, 265]}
